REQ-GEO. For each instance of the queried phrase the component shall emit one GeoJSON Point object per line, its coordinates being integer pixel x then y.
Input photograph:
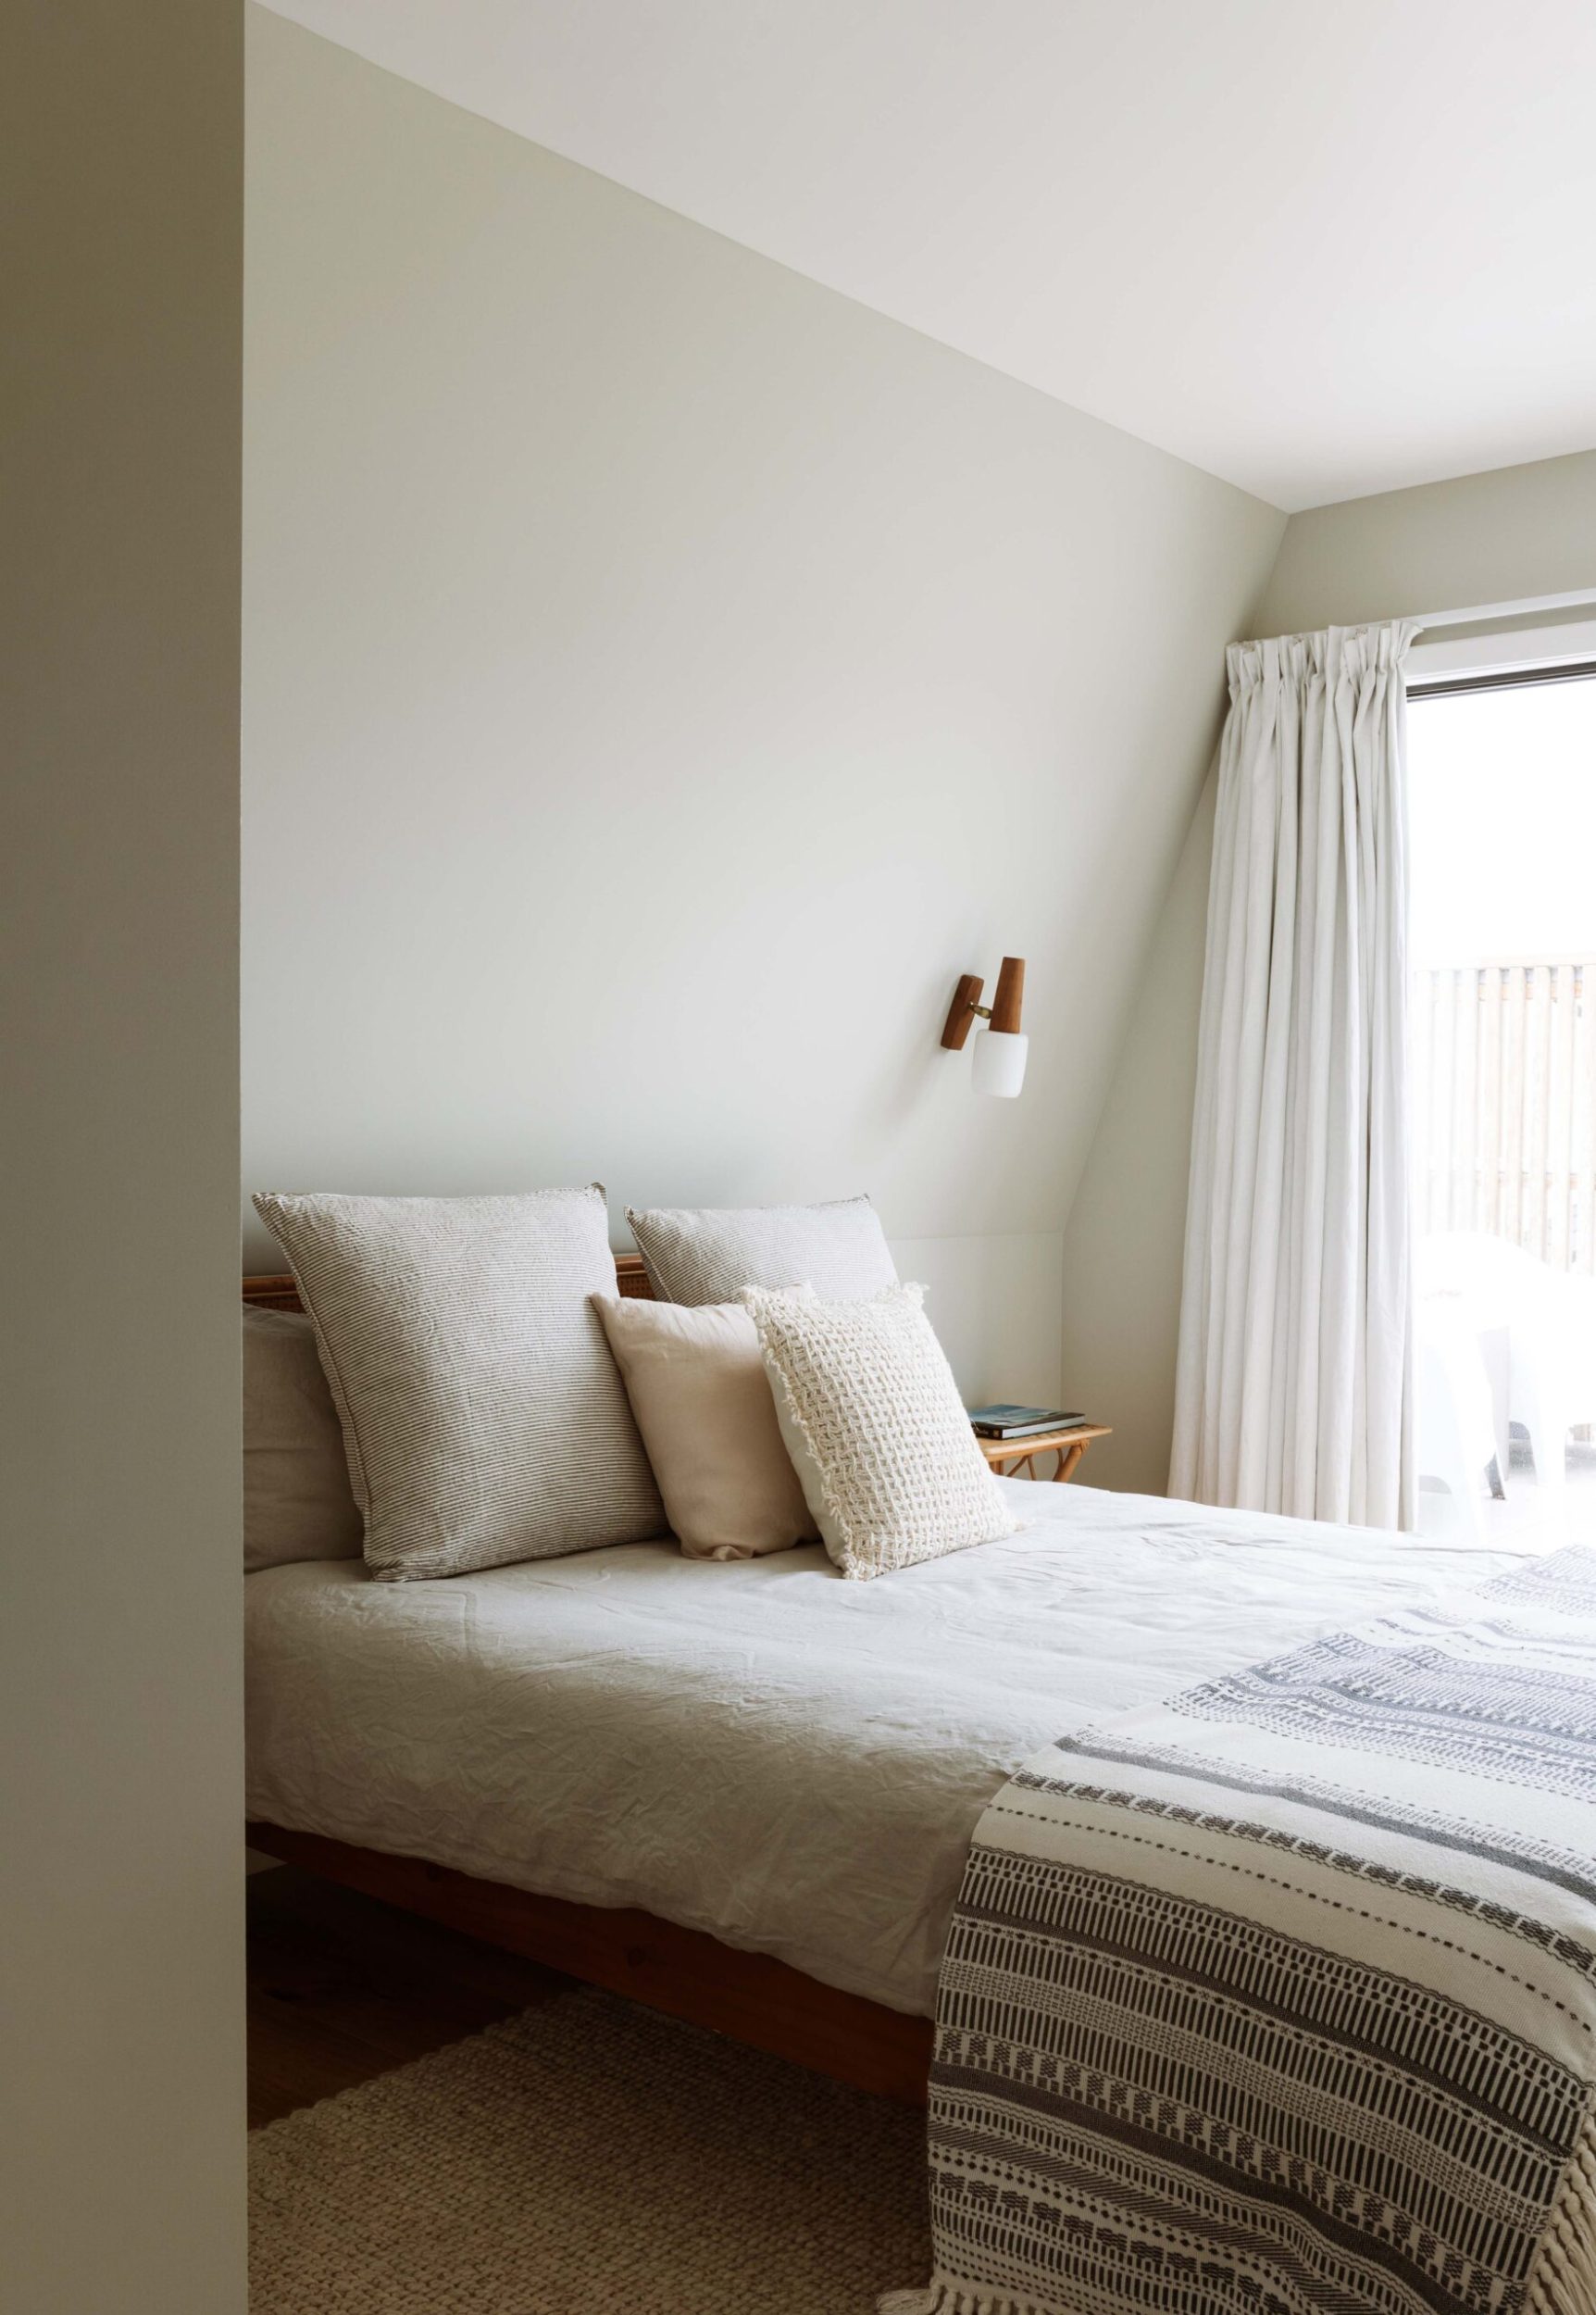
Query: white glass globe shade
{"type": "Point", "coordinates": [1000, 1061]}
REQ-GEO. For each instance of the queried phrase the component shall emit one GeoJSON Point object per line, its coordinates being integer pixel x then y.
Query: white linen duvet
{"type": "Point", "coordinates": [758, 1748]}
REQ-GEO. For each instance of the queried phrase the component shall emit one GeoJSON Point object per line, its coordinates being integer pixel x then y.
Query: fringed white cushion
{"type": "Point", "coordinates": [876, 1429]}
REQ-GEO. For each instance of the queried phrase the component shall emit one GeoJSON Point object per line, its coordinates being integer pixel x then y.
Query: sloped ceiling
{"type": "Point", "coordinates": [1317, 250]}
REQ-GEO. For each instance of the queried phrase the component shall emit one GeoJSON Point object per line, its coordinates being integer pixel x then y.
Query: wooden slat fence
{"type": "Point", "coordinates": [1505, 1105]}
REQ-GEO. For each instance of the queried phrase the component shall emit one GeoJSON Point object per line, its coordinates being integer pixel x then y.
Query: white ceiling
{"type": "Point", "coordinates": [1319, 249]}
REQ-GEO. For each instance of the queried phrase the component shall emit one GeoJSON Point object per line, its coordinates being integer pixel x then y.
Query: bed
{"type": "Point", "coordinates": [746, 1793]}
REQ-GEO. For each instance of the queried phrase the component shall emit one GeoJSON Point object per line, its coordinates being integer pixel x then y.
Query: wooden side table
{"type": "Point", "coordinates": [1068, 1446]}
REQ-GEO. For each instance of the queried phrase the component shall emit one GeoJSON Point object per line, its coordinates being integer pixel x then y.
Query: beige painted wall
{"type": "Point", "coordinates": [121, 2086]}
{"type": "Point", "coordinates": [1127, 1227]}
{"type": "Point", "coordinates": [1486, 539]}
{"type": "Point", "coordinates": [1521, 530]}
{"type": "Point", "coordinates": [662, 678]}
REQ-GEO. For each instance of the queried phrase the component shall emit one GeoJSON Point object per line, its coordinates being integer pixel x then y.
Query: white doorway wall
{"type": "Point", "coordinates": [122, 2115]}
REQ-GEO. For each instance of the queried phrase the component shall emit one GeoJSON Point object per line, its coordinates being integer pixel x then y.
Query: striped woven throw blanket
{"type": "Point", "coordinates": [1280, 1999]}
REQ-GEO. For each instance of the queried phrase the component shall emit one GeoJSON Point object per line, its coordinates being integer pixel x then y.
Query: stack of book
{"type": "Point", "coordinates": [1020, 1422]}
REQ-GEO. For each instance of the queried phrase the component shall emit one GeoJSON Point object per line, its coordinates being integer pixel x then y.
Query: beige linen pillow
{"type": "Point", "coordinates": [701, 1399]}
{"type": "Point", "coordinates": [297, 1500]}
{"type": "Point", "coordinates": [709, 1254]}
{"type": "Point", "coordinates": [876, 1428]}
{"type": "Point", "coordinates": [483, 1418]}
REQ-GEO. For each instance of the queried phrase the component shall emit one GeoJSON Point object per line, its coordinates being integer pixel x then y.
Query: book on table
{"type": "Point", "coordinates": [1004, 1421]}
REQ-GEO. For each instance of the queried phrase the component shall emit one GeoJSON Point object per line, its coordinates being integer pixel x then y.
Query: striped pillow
{"type": "Point", "coordinates": [483, 1417]}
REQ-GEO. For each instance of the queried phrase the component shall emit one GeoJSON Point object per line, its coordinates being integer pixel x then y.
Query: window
{"type": "Point", "coordinates": [1503, 950]}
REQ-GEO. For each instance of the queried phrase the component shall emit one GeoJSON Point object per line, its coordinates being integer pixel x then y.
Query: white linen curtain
{"type": "Point", "coordinates": [1293, 1378]}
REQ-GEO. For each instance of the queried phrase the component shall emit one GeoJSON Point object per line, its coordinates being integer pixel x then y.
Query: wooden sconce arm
{"type": "Point", "coordinates": [967, 1006]}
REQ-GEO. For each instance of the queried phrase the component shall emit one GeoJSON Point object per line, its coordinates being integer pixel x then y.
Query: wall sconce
{"type": "Point", "coordinates": [1000, 1052]}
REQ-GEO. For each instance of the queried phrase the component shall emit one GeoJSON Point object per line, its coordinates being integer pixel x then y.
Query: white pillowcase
{"type": "Point", "coordinates": [483, 1418]}
{"type": "Point", "coordinates": [708, 1254]}
{"type": "Point", "coordinates": [876, 1428]}
{"type": "Point", "coordinates": [702, 1398]}
{"type": "Point", "coordinates": [297, 1500]}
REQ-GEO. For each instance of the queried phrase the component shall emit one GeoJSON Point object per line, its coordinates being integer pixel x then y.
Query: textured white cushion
{"type": "Point", "coordinates": [297, 1500]}
{"type": "Point", "coordinates": [702, 1398]}
{"type": "Point", "coordinates": [483, 1418]}
{"type": "Point", "coordinates": [876, 1428]}
{"type": "Point", "coordinates": [709, 1254]}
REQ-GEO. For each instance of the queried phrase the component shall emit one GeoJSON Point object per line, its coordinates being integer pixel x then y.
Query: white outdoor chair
{"type": "Point", "coordinates": [1455, 1439]}
{"type": "Point", "coordinates": [1536, 1326]}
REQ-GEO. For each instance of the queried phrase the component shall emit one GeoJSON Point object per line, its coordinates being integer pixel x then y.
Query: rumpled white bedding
{"type": "Point", "coordinates": [758, 1748]}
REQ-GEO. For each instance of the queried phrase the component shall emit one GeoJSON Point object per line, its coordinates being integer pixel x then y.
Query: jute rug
{"type": "Point", "coordinates": [589, 2158]}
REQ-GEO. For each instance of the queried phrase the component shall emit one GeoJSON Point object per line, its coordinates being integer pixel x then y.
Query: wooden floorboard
{"type": "Point", "coordinates": [342, 1988]}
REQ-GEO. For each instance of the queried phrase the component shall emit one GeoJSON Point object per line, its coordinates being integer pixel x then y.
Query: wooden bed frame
{"type": "Point", "coordinates": [750, 1996]}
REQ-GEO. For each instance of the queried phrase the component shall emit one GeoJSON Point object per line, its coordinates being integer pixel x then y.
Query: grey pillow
{"type": "Point", "coordinates": [297, 1500]}
{"type": "Point", "coordinates": [484, 1420]}
{"type": "Point", "coordinates": [709, 1254]}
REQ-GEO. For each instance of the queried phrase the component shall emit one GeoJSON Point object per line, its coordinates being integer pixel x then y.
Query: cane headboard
{"type": "Point", "coordinates": [275, 1289]}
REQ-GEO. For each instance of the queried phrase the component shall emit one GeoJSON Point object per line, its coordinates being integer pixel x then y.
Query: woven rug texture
{"type": "Point", "coordinates": [589, 2158]}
